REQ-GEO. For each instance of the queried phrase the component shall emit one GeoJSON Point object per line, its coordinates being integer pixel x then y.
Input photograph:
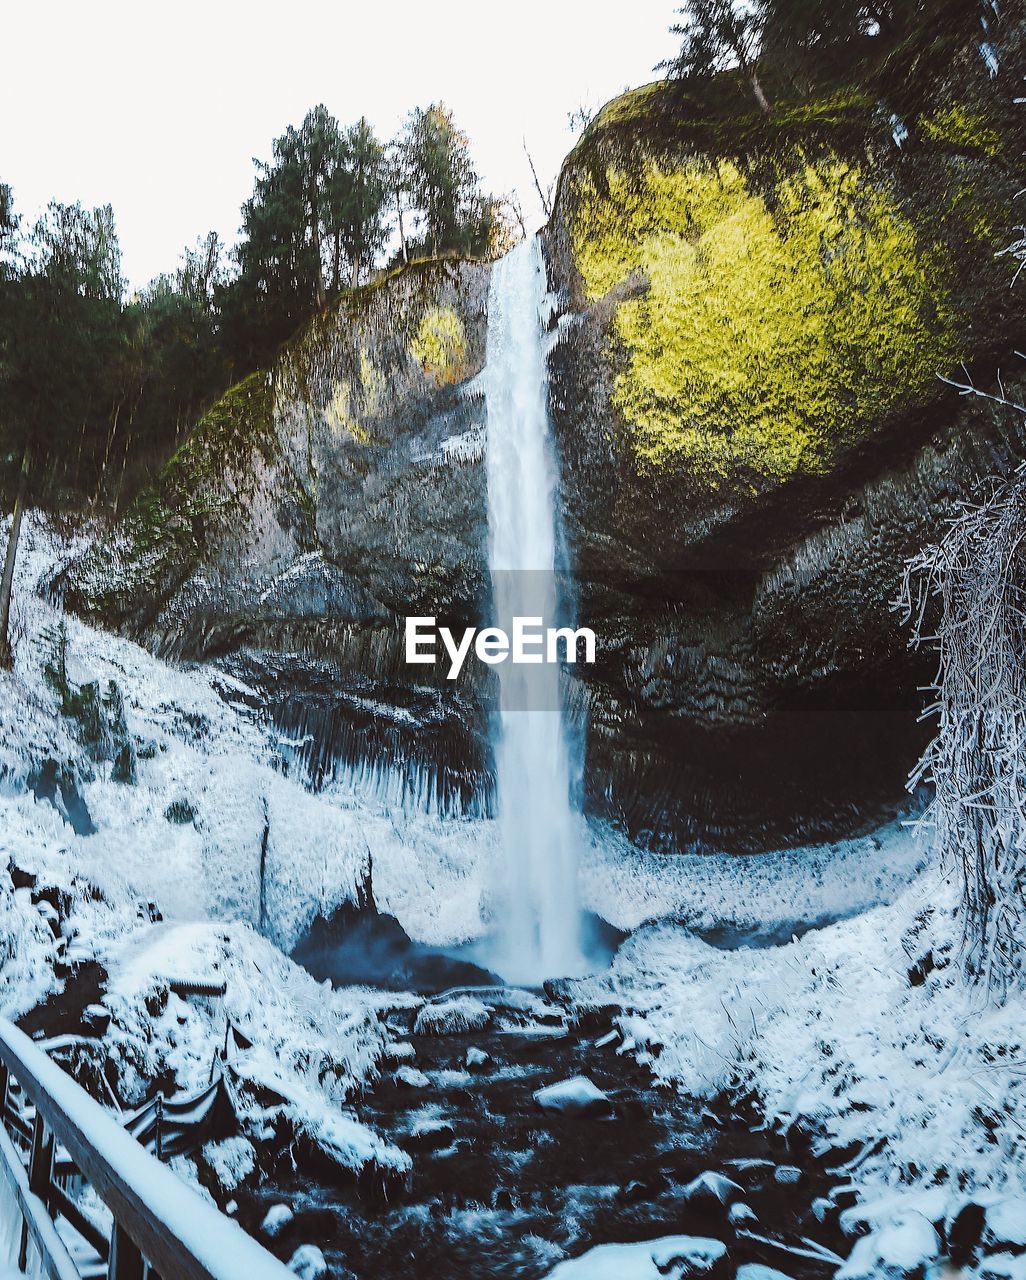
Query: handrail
{"type": "Point", "coordinates": [157, 1217]}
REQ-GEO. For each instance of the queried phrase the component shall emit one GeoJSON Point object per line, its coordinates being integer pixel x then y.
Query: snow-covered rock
{"type": "Point", "coordinates": [756, 1271]}
{"type": "Point", "coordinates": [711, 1187]}
{"type": "Point", "coordinates": [741, 1215]}
{"type": "Point", "coordinates": [1001, 1266]}
{"type": "Point", "coordinates": [308, 1263]}
{"type": "Point", "coordinates": [476, 1058]}
{"type": "Point", "coordinates": [452, 1017]}
{"type": "Point", "coordinates": [276, 1219]}
{"type": "Point", "coordinates": [668, 1258]}
{"type": "Point", "coordinates": [1004, 1225]}
{"type": "Point", "coordinates": [411, 1078]}
{"type": "Point", "coordinates": [577, 1096]}
{"type": "Point", "coordinates": [902, 1249]}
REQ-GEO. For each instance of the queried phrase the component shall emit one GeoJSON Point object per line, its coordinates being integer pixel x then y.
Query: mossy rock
{"type": "Point", "coordinates": [773, 293]}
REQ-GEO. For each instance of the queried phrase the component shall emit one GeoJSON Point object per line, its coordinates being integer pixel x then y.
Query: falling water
{"type": "Point", "coordinates": [540, 934]}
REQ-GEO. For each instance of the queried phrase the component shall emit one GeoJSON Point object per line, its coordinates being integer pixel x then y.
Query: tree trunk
{"type": "Point", "coordinates": [760, 97]}
{"type": "Point", "coordinates": [402, 233]}
{"type": "Point", "coordinates": [354, 269]}
{"type": "Point", "coordinates": [7, 583]}
{"type": "Point", "coordinates": [315, 236]}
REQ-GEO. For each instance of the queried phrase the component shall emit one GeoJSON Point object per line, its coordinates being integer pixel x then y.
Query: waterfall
{"type": "Point", "coordinates": [540, 832]}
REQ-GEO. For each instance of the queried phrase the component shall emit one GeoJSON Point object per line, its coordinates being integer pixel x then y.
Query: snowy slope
{"type": "Point", "coordinates": [862, 1032]}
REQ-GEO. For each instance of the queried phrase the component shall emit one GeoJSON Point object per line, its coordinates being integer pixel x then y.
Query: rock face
{"type": "Point", "coordinates": [753, 431]}
{"type": "Point", "coordinates": [316, 505]}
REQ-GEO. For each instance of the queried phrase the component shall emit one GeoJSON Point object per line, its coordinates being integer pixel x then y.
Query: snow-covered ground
{"type": "Point", "coordinates": [862, 1033]}
{"type": "Point", "coordinates": [861, 1029]}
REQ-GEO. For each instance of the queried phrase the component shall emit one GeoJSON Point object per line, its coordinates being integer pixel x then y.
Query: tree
{"type": "Point", "coordinates": [314, 224]}
{"type": "Point", "coordinates": [361, 225]}
{"type": "Point", "coordinates": [720, 34]}
{"type": "Point", "coordinates": [202, 271]}
{"type": "Point", "coordinates": [442, 185]}
{"type": "Point", "coordinates": [60, 344]}
{"type": "Point", "coordinates": [975, 579]}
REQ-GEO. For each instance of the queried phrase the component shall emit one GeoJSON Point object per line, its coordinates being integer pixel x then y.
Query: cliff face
{"type": "Point", "coordinates": [313, 507]}
{"type": "Point", "coordinates": [753, 428]}
{"type": "Point", "coordinates": [747, 394]}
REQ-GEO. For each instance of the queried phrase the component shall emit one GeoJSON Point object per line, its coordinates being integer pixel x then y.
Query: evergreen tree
{"type": "Point", "coordinates": [719, 34]}
{"type": "Point", "coordinates": [61, 345]}
{"type": "Point", "coordinates": [361, 219]}
{"type": "Point", "coordinates": [442, 184]}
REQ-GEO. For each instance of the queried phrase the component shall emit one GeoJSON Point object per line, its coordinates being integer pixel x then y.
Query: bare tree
{"type": "Point", "coordinates": [976, 763]}
{"type": "Point", "coordinates": [545, 198]}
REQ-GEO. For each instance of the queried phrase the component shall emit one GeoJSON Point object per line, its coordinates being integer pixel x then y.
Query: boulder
{"type": "Point", "coordinates": [577, 1096]}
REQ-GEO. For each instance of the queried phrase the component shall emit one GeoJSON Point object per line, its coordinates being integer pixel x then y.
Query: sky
{"type": "Point", "coordinates": [159, 108]}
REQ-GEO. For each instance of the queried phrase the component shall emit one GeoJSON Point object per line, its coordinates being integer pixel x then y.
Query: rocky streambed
{"type": "Point", "coordinates": [533, 1139]}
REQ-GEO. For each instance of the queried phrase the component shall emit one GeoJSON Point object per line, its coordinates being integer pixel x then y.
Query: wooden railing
{"type": "Point", "coordinates": [51, 1129]}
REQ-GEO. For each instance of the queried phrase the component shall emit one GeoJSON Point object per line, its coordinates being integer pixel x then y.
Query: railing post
{"type": "Point", "coordinates": [40, 1176]}
{"type": "Point", "coordinates": [125, 1262]}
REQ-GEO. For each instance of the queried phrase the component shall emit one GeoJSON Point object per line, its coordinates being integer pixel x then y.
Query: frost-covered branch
{"type": "Point", "coordinates": [976, 763]}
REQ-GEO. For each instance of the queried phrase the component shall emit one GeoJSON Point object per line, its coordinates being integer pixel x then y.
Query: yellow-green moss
{"type": "Point", "coordinates": [957, 126]}
{"type": "Point", "coordinates": [440, 345]}
{"type": "Point", "coordinates": [767, 337]}
{"type": "Point", "coordinates": [349, 406]}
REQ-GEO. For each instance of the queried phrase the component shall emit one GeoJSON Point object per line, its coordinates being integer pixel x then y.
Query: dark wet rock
{"type": "Point", "coordinates": [58, 783]}
{"type": "Point", "coordinates": [964, 1233]}
{"type": "Point", "coordinates": [180, 812]}
{"type": "Point", "coordinates": [361, 946]}
{"type": "Point", "coordinates": [429, 1135]}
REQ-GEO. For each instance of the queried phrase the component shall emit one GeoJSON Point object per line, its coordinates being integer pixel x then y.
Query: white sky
{"type": "Point", "coordinates": [159, 107]}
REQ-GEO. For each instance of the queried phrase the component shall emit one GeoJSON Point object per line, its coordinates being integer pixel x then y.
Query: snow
{"type": "Point", "coordinates": [276, 1219]}
{"type": "Point", "coordinates": [452, 1017]}
{"type": "Point", "coordinates": [764, 896]}
{"type": "Point", "coordinates": [1002, 1266]}
{"type": "Point", "coordinates": [412, 1078]}
{"type": "Point", "coordinates": [902, 1248]}
{"type": "Point", "coordinates": [308, 1263]}
{"type": "Point", "coordinates": [830, 1032]}
{"type": "Point", "coordinates": [231, 1160]}
{"type": "Point", "coordinates": [576, 1096]}
{"type": "Point", "coordinates": [669, 1258]}
{"type": "Point", "coordinates": [756, 1271]}
{"type": "Point", "coordinates": [712, 1186]}
{"type": "Point", "coordinates": [1005, 1223]}
{"type": "Point", "coordinates": [741, 1214]}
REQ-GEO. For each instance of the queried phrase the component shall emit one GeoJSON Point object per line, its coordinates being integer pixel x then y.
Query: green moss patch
{"type": "Point", "coordinates": [773, 332]}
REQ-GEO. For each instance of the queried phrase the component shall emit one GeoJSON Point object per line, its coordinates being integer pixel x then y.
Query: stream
{"type": "Point", "coordinates": [502, 1188]}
